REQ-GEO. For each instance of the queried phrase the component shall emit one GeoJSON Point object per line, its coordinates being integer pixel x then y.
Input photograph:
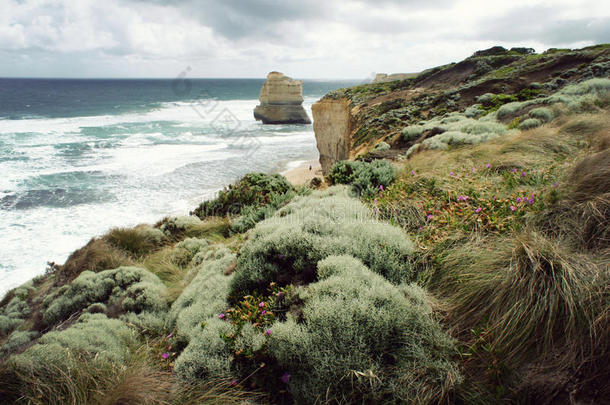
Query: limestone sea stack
{"type": "Point", "coordinates": [281, 101]}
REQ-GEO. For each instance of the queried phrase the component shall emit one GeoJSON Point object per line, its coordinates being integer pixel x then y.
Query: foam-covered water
{"type": "Point", "coordinates": [79, 157]}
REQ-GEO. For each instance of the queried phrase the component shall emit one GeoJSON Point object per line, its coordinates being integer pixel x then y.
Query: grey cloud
{"type": "Point", "coordinates": [543, 24]}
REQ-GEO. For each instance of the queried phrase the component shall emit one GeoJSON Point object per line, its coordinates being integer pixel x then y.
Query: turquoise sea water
{"type": "Point", "coordinates": [80, 156]}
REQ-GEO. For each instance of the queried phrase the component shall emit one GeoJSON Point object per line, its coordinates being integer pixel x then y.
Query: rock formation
{"type": "Point", "coordinates": [332, 128]}
{"type": "Point", "coordinates": [281, 101]}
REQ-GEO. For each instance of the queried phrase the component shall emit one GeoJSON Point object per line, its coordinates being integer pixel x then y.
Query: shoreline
{"type": "Point", "coordinates": [300, 172]}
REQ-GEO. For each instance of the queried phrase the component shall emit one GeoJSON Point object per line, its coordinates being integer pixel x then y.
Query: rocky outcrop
{"type": "Point", "coordinates": [384, 78]}
{"type": "Point", "coordinates": [281, 100]}
{"type": "Point", "coordinates": [332, 127]}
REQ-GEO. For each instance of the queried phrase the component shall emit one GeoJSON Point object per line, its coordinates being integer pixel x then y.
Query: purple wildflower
{"type": "Point", "coordinates": [478, 210]}
{"type": "Point", "coordinates": [518, 199]}
{"type": "Point", "coordinates": [495, 198]}
{"type": "Point", "coordinates": [420, 228]}
{"type": "Point", "coordinates": [430, 216]}
{"type": "Point", "coordinates": [277, 294]}
{"type": "Point", "coordinates": [281, 256]}
{"type": "Point", "coordinates": [381, 187]}
{"type": "Point", "coordinates": [285, 378]}
{"type": "Point", "coordinates": [165, 356]}
{"type": "Point", "coordinates": [451, 174]}
{"type": "Point", "coordinates": [262, 304]}
{"type": "Point", "coordinates": [268, 332]}
{"type": "Point", "coordinates": [523, 174]}
{"type": "Point", "coordinates": [473, 170]}
{"type": "Point", "coordinates": [488, 165]}
{"type": "Point", "coordinates": [555, 184]}
{"type": "Point", "coordinates": [412, 172]}
{"type": "Point", "coordinates": [513, 208]}
{"type": "Point", "coordinates": [264, 312]}
{"type": "Point", "coordinates": [234, 382]}
{"type": "Point", "coordinates": [514, 170]}
{"type": "Point", "coordinates": [221, 316]}
{"type": "Point", "coordinates": [170, 335]}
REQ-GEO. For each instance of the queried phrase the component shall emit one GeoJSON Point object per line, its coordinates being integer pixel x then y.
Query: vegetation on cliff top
{"type": "Point", "coordinates": [474, 272]}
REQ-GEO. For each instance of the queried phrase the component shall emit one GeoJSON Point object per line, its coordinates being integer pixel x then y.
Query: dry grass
{"type": "Point", "coordinates": [97, 255]}
{"type": "Point", "coordinates": [136, 242]}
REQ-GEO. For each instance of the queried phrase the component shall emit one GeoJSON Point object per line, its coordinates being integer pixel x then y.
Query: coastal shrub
{"type": "Point", "coordinates": [456, 138]}
{"type": "Point", "coordinates": [252, 214]}
{"type": "Point", "coordinates": [530, 123]}
{"type": "Point", "coordinates": [174, 226]}
{"type": "Point", "coordinates": [137, 241]}
{"type": "Point", "coordinates": [473, 111]}
{"type": "Point", "coordinates": [412, 132]}
{"type": "Point", "coordinates": [95, 256]}
{"type": "Point", "coordinates": [596, 85]}
{"type": "Point", "coordinates": [204, 297]}
{"type": "Point", "coordinates": [252, 189]}
{"type": "Point", "coordinates": [70, 366]}
{"type": "Point", "coordinates": [287, 247]}
{"type": "Point", "coordinates": [542, 113]}
{"type": "Point", "coordinates": [8, 324]}
{"type": "Point", "coordinates": [207, 354]}
{"type": "Point", "coordinates": [362, 339]}
{"type": "Point", "coordinates": [382, 146]}
{"type": "Point", "coordinates": [130, 289]}
{"type": "Point", "coordinates": [192, 246]}
{"type": "Point", "coordinates": [365, 178]}
{"type": "Point", "coordinates": [17, 339]}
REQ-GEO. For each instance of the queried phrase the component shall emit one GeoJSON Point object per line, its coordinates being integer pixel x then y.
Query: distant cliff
{"type": "Point", "coordinates": [350, 122]}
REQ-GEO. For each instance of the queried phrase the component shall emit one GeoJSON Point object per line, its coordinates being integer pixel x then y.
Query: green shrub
{"type": "Point", "coordinates": [597, 85]}
{"type": "Point", "coordinates": [252, 214]}
{"type": "Point", "coordinates": [542, 113]}
{"type": "Point", "coordinates": [8, 324]}
{"type": "Point", "coordinates": [382, 146]}
{"type": "Point", "coordinates": [252, 189]}
{"type": "Point", "coordinates": [287, 247]}
{"type": "Point", "coordinates": [530, 123]}
{"type": "Point", "coordinates": [174, 226]}
{"type": "Point", "coordinates": [513, 108]}
{"type": "Point", "coordinates": [365, 178]}
{"type": "Point", "coordinates": [17, 339]}
{"type": "Point", "coordinates": [361, 339]}
{"type": "Point", "coordinates": [137, 241]}
{"type": "Point", "coordinates": [204, 297]}
{"type": "Point", "coordinates": [412, 132]}
{"type": "Point", "coordinates": [131, 289]}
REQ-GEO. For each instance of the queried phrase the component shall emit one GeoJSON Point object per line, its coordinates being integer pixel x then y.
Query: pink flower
{"type": "Point", "coordinates": [463, 198]}
{"type": "Point", "coordinates": [234, 382]}
{"type": "Point", "coordinates": [221, 316]}
{"type": "Point", "coordinates": [412, 172]}
{"type": "Point", "coordinates": [518, 199]}
{"type": "Point", "coordinates": [473, 170]}
{"type": "Point", "coordinates": [555, 184]}
{"type": "Point", "coordinates": [264, 312]}
{"type": "Point", "coordinates": [451, 174]}
{"type": "Point", "coordinates": [515, 170]}
{"type": "Point", "coordinates": [277, 294]}
{"type": "Point", "coordinates": [478, 210]}
{"type": "Point", "coordinates": [488, 165]}
{"type": "Point", "coordinates": [268, 332]}
{"type": "Point", "coordinates": [165, 356]}
{"type": "Point", "coordinates": [170, 336]}
{"type": "Point", "coordinates": [285, 378]}
{"type": "Point", "coordinates": [523, 174]}
{"type": "Point", "coordinates": [262, 304]}
{"type": "Point", "coordinates": [381, 187]}
{"type": "Point", "coordinates": [513, 208]}
{"type": "Point", "coordinates": [430, 216]}
{"type": "Point", "coordinates": [495, 198]}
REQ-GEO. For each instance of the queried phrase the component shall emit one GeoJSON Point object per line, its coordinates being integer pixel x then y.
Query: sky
{"type": "Point", "coordinates": [333, 39]}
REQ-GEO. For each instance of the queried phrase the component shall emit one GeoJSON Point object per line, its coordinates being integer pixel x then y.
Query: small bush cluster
{"type": "Point", "coordinates": [252, 189]}
{"type": "Point", "coordinates": [382, 146]}
{"type": "Point", "coordinates": [530, 123]}
{"type": "Point", "coordinates": [128, 289]}
{"type": "Point", "coordinates": [205, 296]}
{"type": "Point", "coordinates": [412, 132]}
{"type": "Point", "coordinates": [353, 321]}
{"type": "Point", "coordinates": [366, 178]}
{"type": "Point", "coordinates": [286, 248]}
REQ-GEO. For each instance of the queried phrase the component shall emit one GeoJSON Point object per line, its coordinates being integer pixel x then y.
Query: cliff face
{"type": "Point", "coordinates": [280, 101]}
{"type": "Point", "coordinates": [332, 128]}
{"type": "Point", "coordinates": [349, 122]}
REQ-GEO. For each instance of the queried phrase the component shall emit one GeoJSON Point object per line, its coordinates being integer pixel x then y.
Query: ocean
{"type": "Point", "coordinates": [78, 157]}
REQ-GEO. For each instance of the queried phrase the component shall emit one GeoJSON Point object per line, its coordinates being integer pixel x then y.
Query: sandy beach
{"type": "Point", "coordinates": [302, 174]}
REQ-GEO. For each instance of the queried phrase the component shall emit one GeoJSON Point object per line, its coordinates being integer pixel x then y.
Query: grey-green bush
{"type": "Point", "coordinates": [412, 132]}
{"type": "Point", "coordinates": [16, 339]}
{"type": "Point", "coordinates": [542, 113]}
{"type": "Point", "coordinates": [381, 146]}
{"type": "Point", "coordinates": [530, 123]}
{"type": "Point", "coordinates": [204, 297]}
{"type": "Point", "coordinates": [365, 178]}
{"type": "Point", "coordinates": [362, 339]}
{"type": "Point", "coordinates": [132, 288]}
{"type": "Point", "coordinates": [287, 247]}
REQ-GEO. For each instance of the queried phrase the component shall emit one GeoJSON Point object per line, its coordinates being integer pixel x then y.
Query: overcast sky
{"type": "Point", "coordinates": [302, 38]}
